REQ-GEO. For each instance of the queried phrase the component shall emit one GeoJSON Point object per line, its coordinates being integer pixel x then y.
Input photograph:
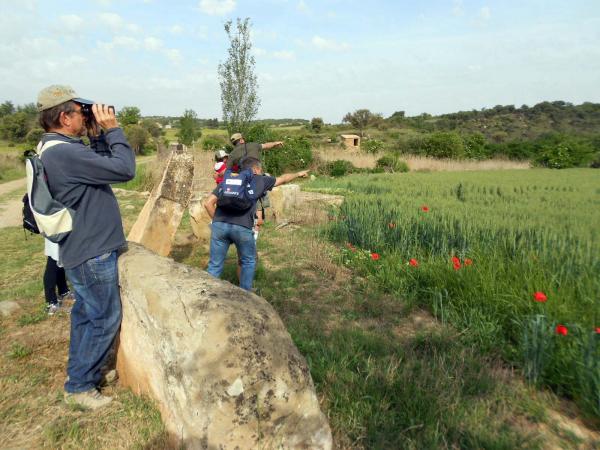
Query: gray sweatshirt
{"type": "Point", "coordinates": [79, 177]}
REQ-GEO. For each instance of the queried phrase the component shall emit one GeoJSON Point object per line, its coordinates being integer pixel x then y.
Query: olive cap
{"type": "Point", "coordinates": [57, 94]}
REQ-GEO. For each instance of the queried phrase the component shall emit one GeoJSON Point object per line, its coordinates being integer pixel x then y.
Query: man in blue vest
{"type": "Point", "coordinates": [79, 177]}
{"type": "Point", "coordinates": [235, 227]}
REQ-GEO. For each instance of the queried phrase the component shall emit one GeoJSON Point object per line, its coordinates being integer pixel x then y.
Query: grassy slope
{"type": "Point", "coordinates": [387, 377]}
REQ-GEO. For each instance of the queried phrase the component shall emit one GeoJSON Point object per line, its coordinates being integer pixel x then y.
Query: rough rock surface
{"type": "Point", "coordinates": [218, 360]}
{"type": "Point", "coordinates": [158, 221]}
{"type": "Point", "coordinates": [288, 204]}
{"type": "Point", "coordinates": [199, 218]}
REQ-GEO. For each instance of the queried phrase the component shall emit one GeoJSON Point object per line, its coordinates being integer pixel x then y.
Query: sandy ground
{"type": "Point", "coordinates": [10, 210]}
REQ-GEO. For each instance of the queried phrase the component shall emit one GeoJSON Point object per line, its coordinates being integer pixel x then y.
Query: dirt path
{"type": "Point", "coordinates": [10, 208]}
{"type": "Point", "coordinates": [11, 205]}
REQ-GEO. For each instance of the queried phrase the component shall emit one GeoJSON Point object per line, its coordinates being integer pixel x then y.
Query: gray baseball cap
{"type": "Point", "coordinates": [220, 154]}
{"type": "Point", "coordinates": [56, 94]}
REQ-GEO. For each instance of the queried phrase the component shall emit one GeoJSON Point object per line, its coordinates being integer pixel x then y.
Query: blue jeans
{"type": "Point", "coordinates": [222, 236]}
{"type": "Point", "coordinates": [95, 320]}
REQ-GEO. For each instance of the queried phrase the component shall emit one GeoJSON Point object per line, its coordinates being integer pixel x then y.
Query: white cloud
{"type": "Point", "coordinates": [302, 6]}
{"type": "Point", "coordinates": [284, 55]}
{"type": "Point", "coordinates": [71, 23]}
{"type": "Point", "coordinates": [133, 28]}
{"type": "Point", "coordinates": [111, 20]}
{"type": "Point", "coordinates": [458, 8]}
{"type": "Point", "coordinates": [259, 51]}
{"type": "Point", "coordinates": [217, 7]}
{"type": "Point", "coordinates": [176, 29]}
{"type": "Point", "coordinates": [329, 44]}
{"type": "Point", "coordinates": [485, 13]}
{"type": "Point", "coordinates": [174, 55]}
{"type": "Point", "coordinates": [153, 44]}
{"type": "Point", "coordinates": [125, 42]}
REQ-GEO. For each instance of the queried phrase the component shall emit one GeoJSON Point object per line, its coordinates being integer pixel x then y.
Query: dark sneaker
{"type": "Point", "coordinates": [91, 399]}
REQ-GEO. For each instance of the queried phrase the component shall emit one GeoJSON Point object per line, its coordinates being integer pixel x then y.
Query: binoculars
{"type": "Point", "coordinates": [87, 112]}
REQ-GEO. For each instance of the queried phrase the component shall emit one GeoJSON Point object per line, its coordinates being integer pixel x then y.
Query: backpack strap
{"type": "Point", "coordinates": [45, 146]}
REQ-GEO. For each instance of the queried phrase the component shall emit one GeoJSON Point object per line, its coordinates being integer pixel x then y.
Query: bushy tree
{"type": "Point", "coordinates": [7, 108]}
{"type": "Point", "coordinates": [129, 115]}
{"type": "Point", "coordinates": [137, 136]}
{"type": "Point", "coordinates": [189, 129]}
{"type": "Point", "coordinates": [558, 151]}
{"type": "Point", "coordinates": [438, 145]}
{"type": "Point", "coordinates": [152, 127]}
{"type": "Point", "coordinates": [316, 124]}
{"type": "Point", "coordinates": [14, 127]}
{"type": "Point", "coordinates": [475, 146]}
{"type": "Point", "coordinates": [361, 119]}
{"type": "Point", "coordinates": [239, 98]}
{"type": "Point", "coordinates": [34, 135]}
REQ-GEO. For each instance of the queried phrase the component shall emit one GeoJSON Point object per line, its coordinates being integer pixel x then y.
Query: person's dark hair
{"type": "Point", "coordinates": [249, 163]}
{"type": "Point", "coordinates": [50, 118]}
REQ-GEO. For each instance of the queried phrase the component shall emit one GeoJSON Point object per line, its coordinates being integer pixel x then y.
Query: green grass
{"type": "Point", "coordinates": [11, 165]}
{"type": "Point", "coordinates": [381, 388]}
{"type": "Point", "coordinates": [524, 231]}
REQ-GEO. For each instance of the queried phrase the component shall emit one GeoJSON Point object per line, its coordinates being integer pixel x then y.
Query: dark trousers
{"type": "Point", "coordinates": [54, 277]}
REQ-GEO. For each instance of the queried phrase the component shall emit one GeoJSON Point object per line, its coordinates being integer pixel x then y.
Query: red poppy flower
{"type": "Point", "coordinates": [561, 329]}
{"type": "Point", "coordinates": [597, 330]}
{"type": "Point", "coordinates": [425, 208]}
{"type": "Point", "coordinates": [456, 266]}
{"type": "Point", "coordinates": [391, 225]}
{"type": "Point", "coordinates": [540, 297]}
{"type": "Point", "coordinates": [468, 261]}
{"type": "Point", "coordinates": [413, 262]}
{"type": "Point", "coordinates": [455, 260]}
{"type": "Point", "coordinates": [374, 256]}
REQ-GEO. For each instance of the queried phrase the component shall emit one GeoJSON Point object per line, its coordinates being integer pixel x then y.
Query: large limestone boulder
{"type": "Point", "coordinates": [289, 204]}
{"type": "Point", "coordinates": [218, 360]}
{"type": "Point", "coordinates": [284, 201]}
{"type": "Point", "coordinates": [199, 219]}
{"type": "Point", "coordinates": [158, 221]}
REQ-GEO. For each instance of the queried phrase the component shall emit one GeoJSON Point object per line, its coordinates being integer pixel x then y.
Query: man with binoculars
{"type": "Point", "coordinates": [79, 177]}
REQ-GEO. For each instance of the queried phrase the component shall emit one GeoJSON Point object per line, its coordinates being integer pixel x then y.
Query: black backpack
{"type": "Point", "coordinates": [29, 223]}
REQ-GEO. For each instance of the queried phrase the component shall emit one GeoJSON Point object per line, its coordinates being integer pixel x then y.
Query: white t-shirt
{"type": "Point", "coordinates": [51, 249]}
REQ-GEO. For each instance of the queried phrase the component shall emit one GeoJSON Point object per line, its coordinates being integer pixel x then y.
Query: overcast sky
{"type": "Point", "coordinates": [313, 58]}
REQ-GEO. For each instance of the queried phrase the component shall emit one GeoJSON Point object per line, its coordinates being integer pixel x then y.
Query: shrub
{"type": "Point", "coordinates": [514, 150]}
{"type": "Point", "coordinates": [261, 133]}
{"type": "Point", "coordinates": [560, 152]}
{"type": "Point", "coordinates": [373, 146]}
{"type": "Point", "coordinates": [475, 146]}
{"type": "Point", "coordinates": [340, 167]}
{"type": "Point", "coordinates": [444, 145]}
{"type": "Point", "coordinates": [296, 154]}
{"type": "Point", "coordinates": [391, 163]}
{"type": "Point", "coordinates": [34, 136]}
{"type": "Point", "coordinates": [212, 143]}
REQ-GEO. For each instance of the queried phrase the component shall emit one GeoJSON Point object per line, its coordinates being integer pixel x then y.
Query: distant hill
{"type": "Point", "coordinates": [507, 123]}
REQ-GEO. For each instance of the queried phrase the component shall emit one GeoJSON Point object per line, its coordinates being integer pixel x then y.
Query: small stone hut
{"type": "Point", "coordinates": [350, 140]}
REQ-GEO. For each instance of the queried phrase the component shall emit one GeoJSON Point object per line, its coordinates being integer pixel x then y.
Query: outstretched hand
{"type": "Point", "coordinates": [303, 173]}
{"type": "Point", "coordinates": [104, 116]}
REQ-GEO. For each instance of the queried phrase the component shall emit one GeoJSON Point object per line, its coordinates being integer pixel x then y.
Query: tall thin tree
{"type": "Point", "coordinates": [239, 98]}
